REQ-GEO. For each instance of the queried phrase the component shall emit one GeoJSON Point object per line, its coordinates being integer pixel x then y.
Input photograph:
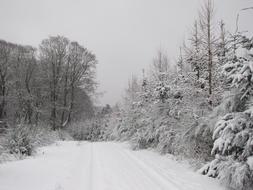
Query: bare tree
{"type": "Point", "coordinates": [193, 53]}
{"type": "Point", "coordinates": [81, 72]}
{"type": "Point", "coordinates": [22, 71]}
{"type": "Point", "coordinates": [161, 66]}
{"type": "Point", "coordinates": [208, 37]}
{"type": "Point", "coordinates": [66, 83]}
{"type": "Point", "coordinates": [52, 86]}
{"type": "Point", "coordinates": [5, 60]}
{"type": "Point", "coordinates": [133, 89]}
{"type": "Point", "coordinates": [53, 53]}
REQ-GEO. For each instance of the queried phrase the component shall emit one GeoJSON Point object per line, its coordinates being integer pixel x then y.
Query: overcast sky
{"type": "Point", "coordinates": [124, 34]}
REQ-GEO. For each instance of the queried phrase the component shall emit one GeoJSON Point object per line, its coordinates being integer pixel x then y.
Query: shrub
{"type": "Point", "coordinates": [21, 140]}
{"type": "Point", "coordinates": [139, 141]}
{"type": "Point", "coordinates": [166, 141]}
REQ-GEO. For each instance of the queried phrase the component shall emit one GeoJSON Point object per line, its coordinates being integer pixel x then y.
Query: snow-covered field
{"type": "Point", "coordinates": [100, 166]}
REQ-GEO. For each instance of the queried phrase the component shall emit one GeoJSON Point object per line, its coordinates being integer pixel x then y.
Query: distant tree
{"type": "Point", "coordinates": [161, 66]}
{"type": "Point", "coordinates": [180, 63]}
{"type": "Point", "coordinates": [106, 110]}
{"type": "Point", "coordinates": [132, 90]}
{"type": "Point", "coordinates": [193, 53]}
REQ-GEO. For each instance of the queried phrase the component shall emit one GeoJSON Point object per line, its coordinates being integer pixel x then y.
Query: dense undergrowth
{"type": "Point", "coordinates": [22, 140]}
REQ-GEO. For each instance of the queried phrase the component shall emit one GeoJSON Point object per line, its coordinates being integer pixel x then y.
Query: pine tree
{"type": "Point", "coordinates": [233, 133]}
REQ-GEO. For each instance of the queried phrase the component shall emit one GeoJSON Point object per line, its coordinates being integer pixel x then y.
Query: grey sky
{"type": "Point", "coordinates": [124, 34]}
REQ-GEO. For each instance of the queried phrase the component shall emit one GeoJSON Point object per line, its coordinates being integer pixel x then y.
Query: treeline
{"type": "Point", "coordinates": [52, 84]}
{"type": "Point", "coordinates": [200, 107]}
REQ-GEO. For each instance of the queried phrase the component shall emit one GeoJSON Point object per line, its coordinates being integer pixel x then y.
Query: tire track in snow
{"type": "Point", "coordinates": [99, 166]}
{"type": "Point", "coordinates": [162, 182]}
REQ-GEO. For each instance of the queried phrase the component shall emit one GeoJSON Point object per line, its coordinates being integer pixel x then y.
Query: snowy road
{"type": "Point", "coordinates": [100, 166]}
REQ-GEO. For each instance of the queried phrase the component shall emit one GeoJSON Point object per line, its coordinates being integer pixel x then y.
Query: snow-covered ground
{"type": "Point", "coordinates": [100, 166]}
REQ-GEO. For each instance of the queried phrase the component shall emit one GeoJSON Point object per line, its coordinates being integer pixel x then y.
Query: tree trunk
{"type": "Point", "coordinates": [71, 102]}
{"type": "Point", "coordinates": [210, 58]}
{"type": "Point", "coordinates": [53, 99]}
{"type": "Point", "coordinates": [65, 93]}
{"type": "Point", "coordinates": [3, 94]}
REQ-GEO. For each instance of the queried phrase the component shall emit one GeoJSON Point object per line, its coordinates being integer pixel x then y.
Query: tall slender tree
{"type": "Point", "coordinates": [53, 54]}
{"type": "Point", "coordinates": [208, 38]}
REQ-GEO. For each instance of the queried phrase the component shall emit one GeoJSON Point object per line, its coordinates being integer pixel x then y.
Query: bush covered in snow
{"type": "Point", "coordinates": [22, 140]}
{"type": "Point", "coordinates": [162, 91]}
{"type": "Point", "coordinates": [233, 147]}
{"type": "Point", "coordinates": [233, 135]}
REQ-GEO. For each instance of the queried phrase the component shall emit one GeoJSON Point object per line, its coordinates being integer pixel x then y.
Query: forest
{"type": "Point", "coordinates": [43, 89]}
{"type": "Point", "coordinates": [198, 108]}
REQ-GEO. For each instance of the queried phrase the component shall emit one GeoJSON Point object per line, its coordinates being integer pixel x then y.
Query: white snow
{"type": "Point", "coordinates": [250, 162]}
{"type": "Point", "coordinates": [100, 166]}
